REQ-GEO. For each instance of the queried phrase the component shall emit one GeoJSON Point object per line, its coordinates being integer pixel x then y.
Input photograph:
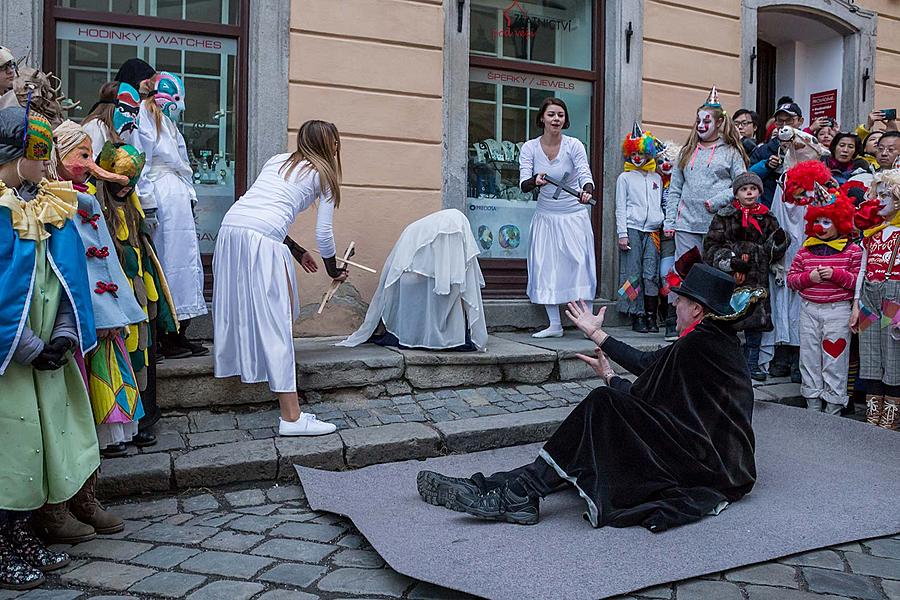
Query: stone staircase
{"type": "Point", "coordinates": [389, 405]}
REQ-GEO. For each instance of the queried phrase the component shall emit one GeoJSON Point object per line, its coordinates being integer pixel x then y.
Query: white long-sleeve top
{"type": "Point", "coordinates": [638, 202]}
{"type": "Point", "coordinates": [272, 203]}
{"type": "Point", "coordinates": [99, 134]}
{"type": "Point", "coordinates": [572, 160]}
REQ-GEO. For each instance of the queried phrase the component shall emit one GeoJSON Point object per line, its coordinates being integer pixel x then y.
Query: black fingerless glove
{"type": "Point", "coordinates": [331, 267]}
{"type": "Point", "coordinates": [295, 248]}
{"type": "Point", "coordinates": [52, 357]}
{"type": "Point", "coordinates": [529, 184]}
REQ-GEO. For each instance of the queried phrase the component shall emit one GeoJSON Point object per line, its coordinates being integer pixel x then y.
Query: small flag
{"type": "Point", "coordinates": [866, 318]}
{"type": "Point", "coordinates": [629, 290]}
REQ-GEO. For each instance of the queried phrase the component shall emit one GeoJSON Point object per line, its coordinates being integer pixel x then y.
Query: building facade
{"type": "Point", "coordinates": [433, 98]}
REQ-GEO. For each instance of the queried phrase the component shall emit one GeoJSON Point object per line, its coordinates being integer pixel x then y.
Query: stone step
{"type": "Point", "coordinates": [325, 371]}
{"type": "Point", "coordinates": [200, 448]}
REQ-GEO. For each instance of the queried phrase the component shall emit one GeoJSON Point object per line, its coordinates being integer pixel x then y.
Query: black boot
{"type": "Point", "coordinates": [638, 323]}
{"type": "Point", "coordinates": [796, 377]}
{"type": "Point", "coordinates": [650, 305]}
{"type": "Point", "coordinates": [671, 330]}
{"type": "Point", "coordinates": [503, 504]}
{"type": "Point", "coordinates": [32, 550]}
{"type": "Point", "coordinates": [440, 490]}
{"type": "Point", "coordinates": [195, 348]}
{"type": "Point", "coordinates": [780, 365]}
{"type": "Point", "coordinates": [15, 572]}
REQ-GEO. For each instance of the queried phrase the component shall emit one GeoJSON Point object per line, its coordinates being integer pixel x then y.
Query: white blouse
{"type": "Point", "coordinates": [272, 203]}
{"type": "Point", "coordinates": [571, 161]}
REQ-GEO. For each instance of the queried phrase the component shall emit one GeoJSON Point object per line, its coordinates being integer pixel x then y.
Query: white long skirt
{"type": "Point", "coordinates": [254, 303]}
{"type": "Point", "coordinates": [561, 264]}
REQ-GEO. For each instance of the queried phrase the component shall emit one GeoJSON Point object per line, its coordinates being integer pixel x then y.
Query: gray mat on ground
{"type": "Point", "coordinates": [822, 481]}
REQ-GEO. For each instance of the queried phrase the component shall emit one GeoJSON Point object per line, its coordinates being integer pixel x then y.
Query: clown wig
{"type": "Point", "coordinates": [801, 179]}
{"type": "Point", "coordinates": [840, 212]}
{"type": "Point", "coordinates": [645, 144]}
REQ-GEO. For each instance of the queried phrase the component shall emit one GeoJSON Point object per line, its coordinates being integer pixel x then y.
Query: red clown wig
{"type": "Point", "coordinates": [839, 211]}
{"type": "Point", "coordinates": [801, 179]}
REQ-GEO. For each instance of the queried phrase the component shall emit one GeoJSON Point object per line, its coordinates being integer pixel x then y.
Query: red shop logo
{"type": "Point", "coordinates": [520, 25]}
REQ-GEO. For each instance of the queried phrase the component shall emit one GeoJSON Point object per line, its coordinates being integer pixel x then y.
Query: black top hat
{"type": "Point", "coordinates": [709, 287]}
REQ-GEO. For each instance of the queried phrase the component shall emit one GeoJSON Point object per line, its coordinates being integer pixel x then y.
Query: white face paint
{"type": "Point", "coordinates": [887, 199]}
{"type": "Point", "coordinates": [706, 126]}
{"type": "Point", "coordinates": [637, 159]}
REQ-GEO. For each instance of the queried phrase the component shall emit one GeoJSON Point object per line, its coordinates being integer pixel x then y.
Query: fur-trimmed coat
{"type": "Point", "coordinates": [746, 254]}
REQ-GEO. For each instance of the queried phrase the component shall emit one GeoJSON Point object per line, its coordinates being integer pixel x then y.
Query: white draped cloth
{"type": "Point", "coordinates": [429, 294]}
{"type": "Point", "coordinates": [785, 301]}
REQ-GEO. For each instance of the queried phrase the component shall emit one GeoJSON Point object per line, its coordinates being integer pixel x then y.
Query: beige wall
{"type": "Point", "coordinates": [374, 68]}
{"type": "Point", "coordinates": [680, 66]}
{"type": "Point", "coordinates": [887, 56]}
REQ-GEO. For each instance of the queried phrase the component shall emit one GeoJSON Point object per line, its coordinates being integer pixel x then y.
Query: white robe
{"type": "Point", "coordinates": [166, 184]}
{"type": "Point", "coordinates": [785, 301]}
{"type": "Point", "coordinates": [430, 287]}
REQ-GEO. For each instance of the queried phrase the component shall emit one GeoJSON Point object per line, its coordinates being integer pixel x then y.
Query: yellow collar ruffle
{"type": "Point", "coordinates": [895, 222]}
{"type": "Point", "coordinates": [55, 203]}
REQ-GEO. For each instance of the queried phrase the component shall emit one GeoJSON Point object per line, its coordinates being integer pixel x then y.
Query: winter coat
{"type": "Point", "coordinates": [746, 254]}
{"type": "Point", "coordinates": [707, 176]}
{"type": "Point", "coordinates": [769, 177]}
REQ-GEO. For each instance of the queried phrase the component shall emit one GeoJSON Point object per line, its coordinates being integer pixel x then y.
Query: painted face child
{"type": "Point", "coordinates": [748, 195]}
{"type": "Point", "coordinates": [707, 125]}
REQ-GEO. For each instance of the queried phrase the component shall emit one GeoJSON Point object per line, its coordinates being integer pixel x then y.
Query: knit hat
{"type": "Point", "coordinates": [747, 178]}
{"type": "Point", "coordinates": [133, 71]}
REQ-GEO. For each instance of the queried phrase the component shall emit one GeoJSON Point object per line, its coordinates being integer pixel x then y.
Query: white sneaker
{"type": "Point", "coordinates": [306, 424]}
{"type": "Point", "coordinates": [549, 332]}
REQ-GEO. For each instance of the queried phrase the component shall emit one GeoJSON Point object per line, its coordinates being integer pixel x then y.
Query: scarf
{"type": "Point", "coordinates": [746, 211]}
{"type": "Point", "coordinates": [55, 203]}
{"type": "Point", "coordinates": [648, 166]}
{"type": "Point", "coordinates": [838, 243]}
{"type": "Point", "coordinates": [690, 327]}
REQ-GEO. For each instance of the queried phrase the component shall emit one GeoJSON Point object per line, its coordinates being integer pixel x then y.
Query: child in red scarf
{"type": "Point", "coordinates": [824, 272]}
{"type": "Point", "coordinates": [744, 239]}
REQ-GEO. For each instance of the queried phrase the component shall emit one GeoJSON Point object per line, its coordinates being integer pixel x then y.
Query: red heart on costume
{"type": "Point", "coordinates": [834, 348]}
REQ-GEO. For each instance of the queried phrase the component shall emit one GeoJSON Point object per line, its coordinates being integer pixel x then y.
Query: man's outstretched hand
{"type": "Point", "coordinates": [590, 324]}
{"type": "Point", "coordinates": [599, 363]}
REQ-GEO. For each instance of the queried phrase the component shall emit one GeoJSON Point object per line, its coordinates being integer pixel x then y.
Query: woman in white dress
{"type": "Point", "coordinates": [561, 264]}
{"type": "Point", "coordinates": [255, 291]}
{"type": "Point", "coordinates": [166, 192]}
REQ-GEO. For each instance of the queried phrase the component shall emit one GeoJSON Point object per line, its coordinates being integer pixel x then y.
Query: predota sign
{"type": "Point", "coordinates": [518, 23]}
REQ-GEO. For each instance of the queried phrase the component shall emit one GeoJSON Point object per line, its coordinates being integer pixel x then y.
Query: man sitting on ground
{"type": "Point", "coordinates": [666, 450]}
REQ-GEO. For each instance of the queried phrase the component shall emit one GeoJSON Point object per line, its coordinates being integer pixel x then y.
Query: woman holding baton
{"type": "Point", "coordinates": [561, 264]}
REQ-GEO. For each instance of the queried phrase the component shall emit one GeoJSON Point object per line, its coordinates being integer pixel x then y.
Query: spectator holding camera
{"type": "Point", "coordinates": [767, 160]}
{"type": "Point", "coordinates": [748, 127]}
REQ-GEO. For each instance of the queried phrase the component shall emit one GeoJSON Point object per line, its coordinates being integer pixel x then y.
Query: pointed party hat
{"type": "Point", "coordinates": [713, 99]}
{"type": "Point", "coordinates": [636, 131]}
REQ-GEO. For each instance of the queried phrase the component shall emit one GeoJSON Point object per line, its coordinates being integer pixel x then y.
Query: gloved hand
{"type": "Point", "coordinates": [739, 266]}
{"type": "Point", "coordinates": [332, 269]}
{"type": "Point", "coordinates": [53, 356]}
{"type": "Point", "coordinates": [150, 220]}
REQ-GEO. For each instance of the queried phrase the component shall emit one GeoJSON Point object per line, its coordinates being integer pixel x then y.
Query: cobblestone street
{"type": "Point", "coordinates": [264, 543]}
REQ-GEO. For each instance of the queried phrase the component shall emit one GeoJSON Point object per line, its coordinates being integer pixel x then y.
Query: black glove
{"type": "Point", "coordinates": [779, 237]}
{"type": "Point", "coordinates": [739, 266]}
{"type": "Point", "coordinates": [53, 356]}
{"type": "Point", "coordinates": [331, 267]}
{"type": "Point", "coordinates": [297, 251]}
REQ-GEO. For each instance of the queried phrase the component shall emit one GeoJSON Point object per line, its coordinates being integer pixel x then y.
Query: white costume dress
{"type": "Point", "coordinates": [430, 287]}
{"type": "Point", "coordinates": [165, 185]}
{"type": "Point", "coordinates": [561, 264]}
{"type": "Point", "coordinates": [255, 292]}
{"type": "Point", "coordinates": [785, 301]}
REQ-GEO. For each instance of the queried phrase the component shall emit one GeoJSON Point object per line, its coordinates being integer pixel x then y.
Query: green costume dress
{"type": "Point", "coordinates": [49, 445]}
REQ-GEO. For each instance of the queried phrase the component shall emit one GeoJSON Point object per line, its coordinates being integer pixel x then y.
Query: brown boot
{"type": "Point", "coordinates": [890, 415]}
{"type": "Point", "coordinates": [56, 525]}
{"type": "Point", "coordinates": [874, 408]}
{"type": "Point", "coordinates": [87, 510]}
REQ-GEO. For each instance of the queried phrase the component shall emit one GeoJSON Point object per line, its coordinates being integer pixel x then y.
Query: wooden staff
{"type": "Point", "coordinates": [329, 293]}
{"type": "Point", "coordinates": [350, 262]}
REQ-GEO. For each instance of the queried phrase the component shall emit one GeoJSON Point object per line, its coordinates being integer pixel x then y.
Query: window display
{"type": "Point", "coordinates": [503, 109]}
{"type": "Point", "coordinates": [89, 55]}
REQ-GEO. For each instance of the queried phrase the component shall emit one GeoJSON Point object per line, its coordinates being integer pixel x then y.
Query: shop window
{"type": "Point", "coordinates": [205, 11]}
{"type": "Point", "coordinates": [521, 53]}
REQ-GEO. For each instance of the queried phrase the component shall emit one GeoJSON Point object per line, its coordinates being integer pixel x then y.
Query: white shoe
{"type": "Point", "coordinates": [306, 424]}
{"type": "Point", "coordinates": [549, 332]}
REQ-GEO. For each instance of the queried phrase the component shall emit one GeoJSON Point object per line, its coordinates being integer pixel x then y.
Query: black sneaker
{"type": "Point", "coordinates": [143, 439]}
{"type": "Point", "coordinates": [195, 348]}
{"type": "Point", "coordinates": [652, 325]}
{"type": "Point", "coordinates": [441, 490]}
{"type": "Point", "coordinates": [116, 450]}
{"type": "Point", "coordinates": [779, 369]}
{"type": "Point", "coordinates": [502, 504]}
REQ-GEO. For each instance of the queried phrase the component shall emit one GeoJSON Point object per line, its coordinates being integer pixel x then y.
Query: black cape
{"type": "Point", "coordinates": [669, 448]}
